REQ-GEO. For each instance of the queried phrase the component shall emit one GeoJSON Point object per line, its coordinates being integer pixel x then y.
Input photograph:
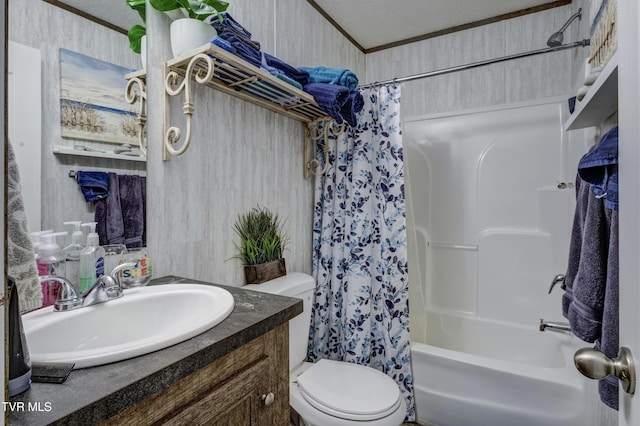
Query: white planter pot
{"type": "Point", "coordinates": [187, 34]}
{"type": "Point", "coordinates": [143, 52]}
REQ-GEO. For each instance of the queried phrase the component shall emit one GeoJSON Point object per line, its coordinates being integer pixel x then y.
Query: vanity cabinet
{"type": "Point", "coordinates": [249, 386]}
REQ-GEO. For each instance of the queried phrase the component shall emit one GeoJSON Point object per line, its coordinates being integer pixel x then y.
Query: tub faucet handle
{"type": "Point", "coordinates": [557, 279]}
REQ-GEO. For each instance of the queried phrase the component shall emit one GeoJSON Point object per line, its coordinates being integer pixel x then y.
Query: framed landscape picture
{"type": "Point", "coordinates": [92, 100]}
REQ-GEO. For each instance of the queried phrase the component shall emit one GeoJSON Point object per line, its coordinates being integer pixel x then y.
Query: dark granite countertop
{"type": "Point", "coordinates": [94, 394]}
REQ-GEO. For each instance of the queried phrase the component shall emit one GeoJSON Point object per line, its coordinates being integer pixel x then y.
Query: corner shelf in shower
{"type": "Point", "coordinates": [214, 67]}
{"type": "Point", "coordinates": [600, 101]}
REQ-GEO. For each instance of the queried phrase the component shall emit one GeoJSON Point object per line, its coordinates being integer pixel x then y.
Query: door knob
{"type": "Point", "coordinates": [596, 365]}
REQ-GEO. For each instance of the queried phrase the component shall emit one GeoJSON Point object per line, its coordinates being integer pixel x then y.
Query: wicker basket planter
{"type": "Point", "coordinates": [257, 274]}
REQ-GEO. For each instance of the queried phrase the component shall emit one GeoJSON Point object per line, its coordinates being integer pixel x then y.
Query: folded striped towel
{"type": "Point", "coordinates": [340, 76]}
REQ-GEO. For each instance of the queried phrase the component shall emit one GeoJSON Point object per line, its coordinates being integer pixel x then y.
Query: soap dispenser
{"type": "Point", "coordinates": [19, 361]}
{"type": "Point", "coordinates": [50, 261]}
{"type": "Point", "coordinates": [72, 251]}
{"type": "Point", "coordinates": [91, 259]}
{"type": "Point", "coordinates": [35, 240]}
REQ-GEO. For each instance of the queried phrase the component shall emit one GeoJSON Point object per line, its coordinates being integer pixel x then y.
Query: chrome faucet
{"type": "Point", "coordinates": [107, 287]}
{"type": "Point", "coordinates": [557, 279]}
{"type": "Point", "coordinates": [558, 327]}
{"type": "Point", "coordinates": [68, 298]}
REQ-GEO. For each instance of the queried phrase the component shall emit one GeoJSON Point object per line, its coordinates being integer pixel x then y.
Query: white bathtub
{"type": "Point", "coordinates": [475, 372]}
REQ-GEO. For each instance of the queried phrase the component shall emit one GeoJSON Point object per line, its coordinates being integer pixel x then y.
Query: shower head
{"type": "Point", "coordinates": [557, 37]}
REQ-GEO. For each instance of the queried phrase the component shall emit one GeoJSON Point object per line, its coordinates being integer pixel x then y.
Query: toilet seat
{"type": "Point", "coordinates": [349, 391]}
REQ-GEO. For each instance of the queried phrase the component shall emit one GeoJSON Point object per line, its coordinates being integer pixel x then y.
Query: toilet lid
{"type": "Point", "coordinates": [349, 391]}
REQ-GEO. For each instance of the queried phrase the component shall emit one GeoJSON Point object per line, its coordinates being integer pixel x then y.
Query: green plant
{"type": "Point", "coordinates": [196, 9]}
{"type": "Point", "coordinates": [262, 237]}
{"type": "Point", "coordinates": [136, 32]}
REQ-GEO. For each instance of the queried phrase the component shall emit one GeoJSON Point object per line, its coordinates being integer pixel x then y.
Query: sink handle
{"type": "Point", "coordinates": [115, 273]}
{"type": "Point", "coordinates": [68, 298]}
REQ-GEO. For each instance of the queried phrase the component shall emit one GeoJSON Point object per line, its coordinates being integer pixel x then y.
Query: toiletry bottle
{"type": "Point", "coordinates": [19, 361]}
{"type": "Point", "coordinates": [35, 240]}
{"type": "Point", "coordinates": [72, 251]}
{"type": "Point", "coordinates": [50, 261]}
{"type": "Point", "coordinates": [91, 259]}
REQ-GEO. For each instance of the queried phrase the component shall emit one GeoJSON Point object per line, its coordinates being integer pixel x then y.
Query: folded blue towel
{"type": "Point", "coordinates": [286, 79]}
{"type": "Point", "coordinates": [276, 72]}
{"type": "Point", "coordinates": [94, 185]}
{"type": "Point", "coordinates": [297, 74]}
{"type": "Point", "coordinates": [329, 97]}
{"type": "Point", "coordinates": [352, 107]}
{"type": "Point", "coordinates": [340, 76]}
{"type": "Point", "coordinates": [243, 50]}
{"type": "Point", "coordinates": [229, 24]}
{"type": "Point", "coordinates": [229, 27]}
{"type": "Point", "coordinates": [224, 44]}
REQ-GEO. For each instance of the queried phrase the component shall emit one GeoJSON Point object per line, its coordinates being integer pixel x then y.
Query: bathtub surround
{"type": "Point", "coordinates": [360, 311]}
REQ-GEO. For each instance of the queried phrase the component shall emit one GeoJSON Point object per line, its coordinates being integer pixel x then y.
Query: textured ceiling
{"type": "Point", "coordinates": [370, 23]}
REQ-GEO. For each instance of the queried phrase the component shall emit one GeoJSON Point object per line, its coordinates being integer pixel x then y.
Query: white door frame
{"type": "Point", "coordinates": [629, 154]}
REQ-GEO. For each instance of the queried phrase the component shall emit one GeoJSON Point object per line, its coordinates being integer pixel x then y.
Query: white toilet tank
{"type": "Point", "coordinates": [301, 286]}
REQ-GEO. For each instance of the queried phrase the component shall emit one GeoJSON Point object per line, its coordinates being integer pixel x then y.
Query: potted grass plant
{"type": "Point", "coordinates": [261, 246]}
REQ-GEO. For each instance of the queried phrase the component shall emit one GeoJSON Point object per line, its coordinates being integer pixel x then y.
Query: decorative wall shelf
{"type": "Point", "coordinates": [134, 91]}
{"type": "Point", "coordinates": [214, 67]}
{"type": "Point", "coordinates": [600, 101]}
{"type": "Point", "coordinates": [68, 150]}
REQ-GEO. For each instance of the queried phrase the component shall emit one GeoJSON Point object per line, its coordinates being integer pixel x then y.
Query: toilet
{"type": "Point", "coordinates": [328, 393]}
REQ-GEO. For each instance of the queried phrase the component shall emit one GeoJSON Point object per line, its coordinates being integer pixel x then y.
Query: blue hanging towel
{"type": "Point", "coordinates": [94, 185]}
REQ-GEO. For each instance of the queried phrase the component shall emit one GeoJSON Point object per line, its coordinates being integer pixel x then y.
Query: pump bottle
{"type": "Point", "coordinates": [50, 261]}
{"type": "Point", "coordinates": [72, 251]}
{"type": "Point", "coordinates": [35, 240]}
{"type": "Point", "coordinates": [91, 259]}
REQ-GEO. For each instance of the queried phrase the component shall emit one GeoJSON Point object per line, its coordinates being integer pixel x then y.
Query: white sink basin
{"type": "Point", "coordinates": [144, 320]}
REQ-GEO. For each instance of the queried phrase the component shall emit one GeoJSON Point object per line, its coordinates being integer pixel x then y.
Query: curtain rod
{"type": "Point", "coordinates": [583, 43]}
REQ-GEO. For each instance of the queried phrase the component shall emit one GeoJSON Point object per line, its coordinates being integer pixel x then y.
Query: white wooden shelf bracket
{"type": "Point", "coordinates": [319, 130]}
{"type": "Point", "coordinates": [201, 69]}
{"type": "Point", "coordinates": [136, 90]}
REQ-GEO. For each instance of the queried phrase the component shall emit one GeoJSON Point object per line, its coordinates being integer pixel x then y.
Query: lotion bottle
{"type": "Point", "coordinates": [50, 261]}
{"type": "Point", "coordinates": [91, 259]}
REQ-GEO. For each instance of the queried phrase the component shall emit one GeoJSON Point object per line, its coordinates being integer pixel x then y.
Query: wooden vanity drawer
{"type": "Point", "coordinates": [229, 391]}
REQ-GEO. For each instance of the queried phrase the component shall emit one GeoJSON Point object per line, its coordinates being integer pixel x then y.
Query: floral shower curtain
{"type": "Point", "coordinates": [360, 313]}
